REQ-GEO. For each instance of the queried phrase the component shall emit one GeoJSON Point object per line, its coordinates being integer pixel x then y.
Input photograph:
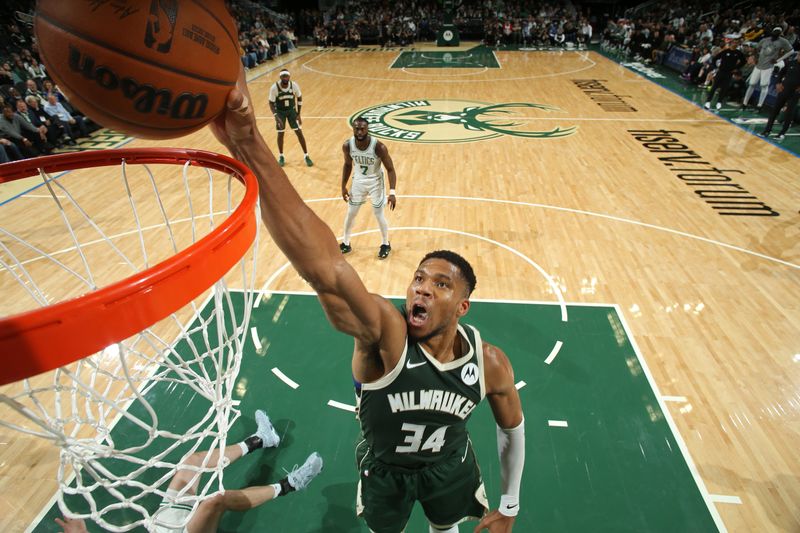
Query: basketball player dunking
{"type": "Point", "coordinates": [285, 102]}
{"type": "Point", "coordinates": [367, 153]}
{"type": "Point", "coordinates": [422, 372]}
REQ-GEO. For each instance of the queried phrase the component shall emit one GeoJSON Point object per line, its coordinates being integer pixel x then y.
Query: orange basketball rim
{"type": "Point", "coordinates": [51, 337]}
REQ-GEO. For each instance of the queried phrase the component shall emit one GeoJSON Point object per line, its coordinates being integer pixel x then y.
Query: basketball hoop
{"type": "Point", "coordinates": [139, 289]}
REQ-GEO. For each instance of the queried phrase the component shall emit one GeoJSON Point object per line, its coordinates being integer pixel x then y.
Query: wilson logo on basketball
{"type": "Point", "coordinates": [145, 97]}
{"type": "Point", "coordinates": [451, 121]}
{"type": "Point", "coordinates": [161, 25]}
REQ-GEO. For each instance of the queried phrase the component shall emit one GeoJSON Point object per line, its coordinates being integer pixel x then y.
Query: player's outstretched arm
{"type": "Point", "coordinates": [305, 239]}
{"type": "Point", "coordinates": [507, 409]}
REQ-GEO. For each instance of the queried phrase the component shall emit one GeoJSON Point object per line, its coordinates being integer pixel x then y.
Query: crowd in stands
{"type": "Point", "coordinates": [706, 30]}
{"type": "Point", "coordinates": [263, 33]}
{"type": "Point", "coordinates": [404, 22]}
{"type": "Point", "coordinates": [36, 116]}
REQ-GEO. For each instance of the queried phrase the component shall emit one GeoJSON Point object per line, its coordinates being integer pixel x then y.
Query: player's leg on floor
{"type": "Point", "coordinates": [301, 138]}
{"type": "Point", "coordinates": [382, 223]}
{"type": "Point", "coordinates": [352, 211]}
{"type": "Point", "coordinates": [383, 251]}
{"type": "Point", "coordinates": [281, 159]}
{"type": "Point", "coordinates": [280, 126]}
{"type": "Point", "coordinates": [377, 195]}
{"type": "Point", "coordinates": [209, 513]}
{"type": "Point", "coordinates": [264, 437]}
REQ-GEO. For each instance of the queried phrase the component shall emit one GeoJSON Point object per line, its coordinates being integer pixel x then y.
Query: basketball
{"type": "Point", "coordinates": [151, 68]}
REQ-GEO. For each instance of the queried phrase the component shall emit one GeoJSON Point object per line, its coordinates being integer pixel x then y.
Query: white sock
{"type": "Point", "coordinates": [280, 154]}
{"type": "Point", "coordinates": [305, 155]}
{"type": "Point", "coordinates": [277, 487]}
{"type": "Point", "coordinates": [352, 211]}
{"type": "Point", "coordinates": [245, 449]}
{"type": "Point", "coordinates": [382, 224]}
{"type": "Point", "coordinates": [451, 529]}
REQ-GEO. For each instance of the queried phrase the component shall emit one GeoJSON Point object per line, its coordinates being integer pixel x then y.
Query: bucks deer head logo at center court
{"type": "Point", "coordinates": [452, 121]}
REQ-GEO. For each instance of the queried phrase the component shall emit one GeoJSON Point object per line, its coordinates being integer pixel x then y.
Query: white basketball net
{"type": "Point", "coordinates": [118, 449]}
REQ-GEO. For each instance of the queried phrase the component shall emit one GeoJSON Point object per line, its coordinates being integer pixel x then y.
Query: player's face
{"type": "Point", "coordinates": [285, 80]}
{"type": "Point", "coordinates": [360, 130]}
{"type": "Point", "coordinates": [435, 299]}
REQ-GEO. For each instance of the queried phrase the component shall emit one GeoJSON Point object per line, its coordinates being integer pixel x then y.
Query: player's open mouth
{"type": "Point", "coordinates": [418, 315]}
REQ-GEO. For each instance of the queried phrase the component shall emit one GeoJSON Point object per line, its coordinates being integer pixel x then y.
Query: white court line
{"type": "Point", "coordinates": [602, 215]}
{"type": "Point", "coordinates": [390, 67]}
{"type": "Point", "coordinates": [557, 423]}
{"type": "Point", "coordinates": [478, 199]}
{"type": "Point", "coordinates": [722, 498]}
{"type": "Point", "coordinates": [342, 406]}
{"type": "Point", "coordinates": [556, 290]}
{"type": "Point", "coordinates": [283, 377]}
{"type": "Point", "coordinates": [423, 80]}
{"type": "Point", "coordinates": [553, 352]}
{"type": "Point", "coordinates": [562, 119]}
{"type": "Point", "coordinates": [486, 300]}
{"type": "Point", "coordinates": [431, 77]}
{"type": "Point", "coordinates": [674, 399]}
{"type": "Point", "coordinates": [671, 423]}
{"type": "Point", "coordinates": [520, 384]}
{"type": "Point", "coordinates": [256, 340]}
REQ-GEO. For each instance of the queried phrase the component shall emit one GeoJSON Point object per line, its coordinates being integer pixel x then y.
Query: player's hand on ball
{"type": "Point", "coordinates": [495, 522]}
{"type": "Point", "coordinates": [237, 123]}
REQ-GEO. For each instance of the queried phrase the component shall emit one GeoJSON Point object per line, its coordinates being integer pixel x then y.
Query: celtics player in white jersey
{"type": "Point", "coordinates": [367, 153]}
{"type": "Point", "coordinates": [286, 102]}
{"type": "Point", "coordinates": [416, 446]}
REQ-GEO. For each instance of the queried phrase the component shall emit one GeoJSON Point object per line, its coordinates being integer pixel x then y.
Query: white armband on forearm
{"type": "Point", "coordinates": [511, 449]}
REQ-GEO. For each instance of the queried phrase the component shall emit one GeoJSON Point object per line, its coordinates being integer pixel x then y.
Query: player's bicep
{"type": "Point", "coordinates": [501, 390]}
{"type": "Point", "coordinates": [350, 308]}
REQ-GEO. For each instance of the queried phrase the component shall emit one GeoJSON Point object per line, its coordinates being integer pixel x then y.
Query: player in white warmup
{"type": "Point", "coordinates": [366, 153]}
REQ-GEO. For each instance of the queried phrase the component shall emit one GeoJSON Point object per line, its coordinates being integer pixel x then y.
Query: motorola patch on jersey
{"type": "Point", "coordinates": [469, 374]}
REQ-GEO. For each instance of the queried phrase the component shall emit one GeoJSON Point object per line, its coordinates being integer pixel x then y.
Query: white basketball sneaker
{"type": "Point", "coordinates": [299, 478]}
{"type": "Point", "coordinates": [269, 437]}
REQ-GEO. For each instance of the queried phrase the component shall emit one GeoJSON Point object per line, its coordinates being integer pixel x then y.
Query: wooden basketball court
{"type": "Point", "coordinates": [561, 176]}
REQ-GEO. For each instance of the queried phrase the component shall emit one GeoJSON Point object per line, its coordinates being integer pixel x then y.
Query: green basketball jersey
{"type": "Point", "coordinates": [417, 413]}
{"type": "Point", "coordinates": [285, 100]}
